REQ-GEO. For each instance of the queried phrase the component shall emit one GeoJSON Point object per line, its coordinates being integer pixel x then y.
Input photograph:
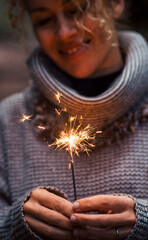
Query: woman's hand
{"type": "Point", "coordinates": [48, 215]}
{"type": "Point", "coordinates": [114, 217]}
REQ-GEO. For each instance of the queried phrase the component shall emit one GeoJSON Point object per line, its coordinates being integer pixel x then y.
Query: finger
{"type": "Point", "coordinates": [101, 233]}
{"type": "Point", "coordinates": [53, 201]}
{"type": "Point", "coordinates": [46, 231]}
{"type": "Point", "coordinates": [103, 220]}
{"type": "Point", "coordinates": [47, 215]}
{"type": "Point", "coordinates": [103, 202]}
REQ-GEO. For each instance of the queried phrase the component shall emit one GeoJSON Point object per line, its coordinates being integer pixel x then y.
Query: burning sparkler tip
{"type": "Point", "coordinates": [75, 139]}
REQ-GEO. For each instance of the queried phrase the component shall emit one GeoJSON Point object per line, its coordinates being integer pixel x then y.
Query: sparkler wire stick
{"type": "Point", "coordinates": [73, 178]}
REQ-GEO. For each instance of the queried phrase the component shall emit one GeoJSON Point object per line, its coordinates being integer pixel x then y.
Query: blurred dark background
{"type": "Point", "coordinates": [13, 53]}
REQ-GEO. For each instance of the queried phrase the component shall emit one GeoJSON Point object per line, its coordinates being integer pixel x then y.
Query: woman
{"type": "Point", "coordinates": [101, 75]}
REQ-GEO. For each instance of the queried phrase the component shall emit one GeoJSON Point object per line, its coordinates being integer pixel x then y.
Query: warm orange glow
{"type": "Point", "coordinates": [71, 118]}
{"type": "Point", "coordinates": [69, 166]}
{"type": "Point", "coordinates": [75, 140]}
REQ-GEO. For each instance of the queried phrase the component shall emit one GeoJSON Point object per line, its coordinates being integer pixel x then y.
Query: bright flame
{"type": "Point", "coordinates": [75, 140]}
{"type": "Point", "coordinates": [58, 96]}
{"type": "Point", "coordinates": [25, 118]}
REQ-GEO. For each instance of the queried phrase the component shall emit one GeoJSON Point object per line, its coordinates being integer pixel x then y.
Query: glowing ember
{"type": "Point", "coordinates": [71, 118]}
{"type": "Point", "coordinates": [99, 132]}
{"type": "Point", "coordinates": [41, 127]}
{"type": "Point", "coordinates": [69, 166]}
{"type": "Point", "coordinates": [58, 96]}
{"type": "Point", "coordinates": [25, 118]}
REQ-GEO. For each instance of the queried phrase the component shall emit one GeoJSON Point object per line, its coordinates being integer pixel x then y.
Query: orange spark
{"type": "Point", "coordinates": [99, 132]}
{"type": "Point", "coordinates": [41, 127]}
{"type": "Point", "coordinates": [58, 112]}
{"type": "Point", "coordinates": [25, 118]}
{"type": "Point", "coordinates": [58, 96]}
{"type": "Point", "coordinates": [71, 118]}
{"type": "Point", "coordinates": [69, 166]}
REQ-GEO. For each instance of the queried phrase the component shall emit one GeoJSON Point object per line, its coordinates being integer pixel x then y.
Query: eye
{"type": "Point", "coordinates": [72, 12]}
{"type": "Point", "coordinates": [44, 22]}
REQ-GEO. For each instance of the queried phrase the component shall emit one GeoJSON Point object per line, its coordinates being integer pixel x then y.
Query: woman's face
{"type": "Point", "coordinates": [80, 54]}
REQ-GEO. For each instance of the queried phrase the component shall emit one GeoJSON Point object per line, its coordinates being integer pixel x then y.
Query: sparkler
{"type": "Point", "coordinates": [74, 138]}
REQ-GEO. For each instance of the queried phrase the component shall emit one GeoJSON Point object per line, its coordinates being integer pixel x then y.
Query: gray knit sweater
{"type": "Point", "coordinates": [26, 162]}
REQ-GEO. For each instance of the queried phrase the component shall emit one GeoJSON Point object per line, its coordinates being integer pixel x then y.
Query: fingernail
{"type": "Point", "coordinates": [73, 219]}
{"type": "Point", "coordinates": [76, 205]}
{"type": "Point", "coordinates": [76, 233]}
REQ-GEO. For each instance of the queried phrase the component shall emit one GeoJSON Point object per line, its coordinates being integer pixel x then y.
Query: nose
{"type": "Point", "coordinates": [66, 28]}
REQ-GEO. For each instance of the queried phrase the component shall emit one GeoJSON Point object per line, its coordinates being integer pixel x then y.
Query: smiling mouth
{"type": "Point", "coordinates": [74, 50]}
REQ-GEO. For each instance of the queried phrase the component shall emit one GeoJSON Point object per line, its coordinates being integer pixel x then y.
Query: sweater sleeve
{"type": "Point", "coordinates": [13, 225]}
{"type": "Point", "coordinates": [140, 231]}
{"type": "Point", "coordinates": [12, 222]}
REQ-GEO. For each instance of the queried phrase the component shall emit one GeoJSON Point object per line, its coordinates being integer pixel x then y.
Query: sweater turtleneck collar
{"type": "Point", "coordinates": [125, 91]}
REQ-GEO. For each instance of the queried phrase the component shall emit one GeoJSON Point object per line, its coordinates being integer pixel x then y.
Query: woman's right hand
{"type": "Point", "coordinates": [48, 215]}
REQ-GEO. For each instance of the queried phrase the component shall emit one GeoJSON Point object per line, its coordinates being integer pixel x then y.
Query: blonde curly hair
{"type": "Point", "coordinates": [17, 12]}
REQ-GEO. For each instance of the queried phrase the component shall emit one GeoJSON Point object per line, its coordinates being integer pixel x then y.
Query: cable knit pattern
{"type": "Point", "coordinates": [27, 163]}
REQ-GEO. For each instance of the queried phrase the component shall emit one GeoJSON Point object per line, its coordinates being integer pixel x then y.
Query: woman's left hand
{"type": "Point", "coordinates": [114, 217]}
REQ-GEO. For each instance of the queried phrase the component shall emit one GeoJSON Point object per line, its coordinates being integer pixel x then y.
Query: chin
{"type": "Point", "coordinates": [80, 74]}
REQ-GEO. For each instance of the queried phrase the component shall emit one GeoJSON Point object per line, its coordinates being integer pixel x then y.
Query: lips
{"type": "Point", "coordinates": [73, 49]}
{"type": "Point", "coordinates": [70, 50]}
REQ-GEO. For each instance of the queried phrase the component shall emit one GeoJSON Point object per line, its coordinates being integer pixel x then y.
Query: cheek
{"type": "Point", "coordinates": [95, 28]}
{"type": "Point", "coordinates": [45, 39]}
{"type": "Point", "coordinates": [90, 23]}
